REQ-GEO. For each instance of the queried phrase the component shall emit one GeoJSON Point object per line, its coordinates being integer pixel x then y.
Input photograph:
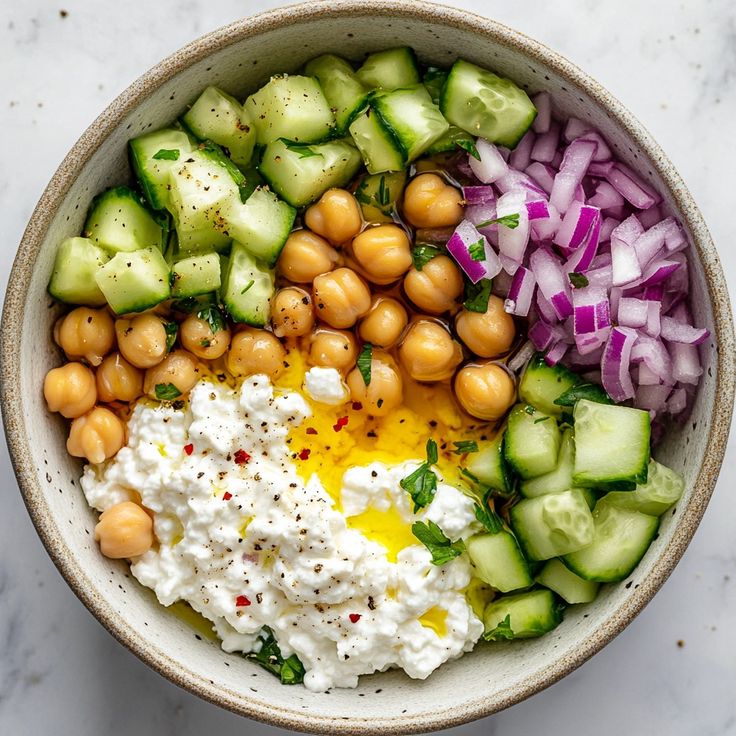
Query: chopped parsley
{"type": "Point", "coordinates": [213, 316]}
{"type": "Point", "coordinates": [502, 631]}
{"type": "Point", "coordinates": [171, 329]}
{"type": "Point", "coordinates": [578, 280]}
{"type": "Point", "coordinates": [290, 670]}
{"type": "Point", "coordinates": [247, 286]}
{"type": "Point", "coordinates": [530, 410]}
{"type": "Point", "coordinates": [167, 154]}
{"type": "Point", "coordinates": [477, 250]}
{"type": "Point", "coordinates": [469, 146]}
{"type": "Point", "coordinates": [465, 446]}
{"type": "Point", "coordinates": [186, 305]}
{"type": "Point", "coordinates": [384, 196]}
{"type": "Point", "coordinates": [477, 295]}
{"type": "Point", "coordinates": [433, 538]}
{"type": "Point", "coordinates": [587, 391]}
{"type": "Point", "coordinates": [541, 419]}
{"type": "Point", "coordinates": [303, 150]}
{"type": "Point", "coordinates": [509, 221]}
{"type": "Point", "coordinates": [490, 519]}
{"type": "Point", "coordinates": [167, 392]}
{"type": "Point", "coordinates": [422, 483]}
{"type": "Point", "coordinates": [421, 255]}
{"type": "Point", "coordinates": [364, 362]}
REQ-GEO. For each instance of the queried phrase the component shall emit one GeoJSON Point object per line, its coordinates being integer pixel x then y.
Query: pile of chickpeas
{"type": "Point", "coordinates": [342, 282]}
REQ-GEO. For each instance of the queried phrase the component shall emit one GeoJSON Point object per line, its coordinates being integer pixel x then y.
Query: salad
{"type": "Point", "coordinates": [415, 301]}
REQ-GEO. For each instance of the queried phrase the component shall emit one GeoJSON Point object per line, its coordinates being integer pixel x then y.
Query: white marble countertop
{"type": "Point", "coordinates": [673, 671]}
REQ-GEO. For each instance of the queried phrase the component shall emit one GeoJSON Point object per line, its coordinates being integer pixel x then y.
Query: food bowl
{"type": "Point", "coordinates": [240, 57]}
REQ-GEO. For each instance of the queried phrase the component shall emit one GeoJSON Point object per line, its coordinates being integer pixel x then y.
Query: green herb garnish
{"type": "Point", "coordinates": [578, 280]}
{"type": "Point", "coordinates": [469, 475]}
{"type": "Point", "coordinates": [477, 251]}
{"type": "Point", "coordinates": [213, 316]}
{"type": "Point", "coordinates": [530, 410]}
{"type": "Point", "coordinates": [365, 359]}
{"type": "Point", "coordinates": [502, 631]}
{"type": "Point", "coordinates": [464, 446]}
{"type": "Point", "coordinates": [247, 286]}
{"type": "Point", "coordinates": [433, 538]}
{"type": "Point", "coordinates": [302, 149]}
{"type": "Point", "coordinates": [509, 221]}
{"type": "Point", "coordinates": [171, 329]}
{"type": "Point", "coordinates": [422, 483]}
{"type": "Point", "coordinates": [490, 519]}
{"type": "Point", "coordinates": [384, 196]}
{"type": "Point", "coordinates": [290, 670]}
{"type": "Point", "coordinates": [587, 391]}
{"type": "Point", "coordinates": [167, 392]}
{"type": "Point", "coordinates": [186, 305]}
{"type": "Point", "coordinates": [423, 254]}
{"type": "Point", "coordinates": [469, 146]}
{"type": "Point", "coordinates": [477, 295]}
{"type": "Point", "coordinates": [167, 154]}
{"type": "Point", "coordinates": [541, 419]}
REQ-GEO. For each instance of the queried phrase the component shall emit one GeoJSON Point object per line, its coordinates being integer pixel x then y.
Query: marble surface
{"type": "Point", "coordinates": [673, 670]}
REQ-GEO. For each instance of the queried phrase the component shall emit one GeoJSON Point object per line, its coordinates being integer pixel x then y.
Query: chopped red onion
{"type": "Point", "coordinates": [676, 331]}
{"type": "Point", "coordinates": [646, 376]}
{"type": "Point", "coordinates": [543, 103]}
{"type": "Point", "coordinates": [491, 165]}
{"type": "Point", "coordinates": [545, 146]}
{"type": "Point", "coordinates": [520, 157]}
{"type": "Point", "coordinates": [624, 263]}
{"type": "Point", "coordinates": [522, 356]}
{"type": "Point", "coordinates": [537, 209]}
{"type": "Point", "coordinates": [459, 247]}
{"type": "Point", "coordinates": [576, 225]}
{"type": "Point", "coordinates": [652, 398]}
{"type": "Point", "coordinates": [657, 271]}
{"type": "Point", "coordinates": [575, 162]}
{"type": "Point", "coordinates": [512, 242]}
{"type": "Point", "coordinates": [542, 231]}
{"type": "Point", "coordinates": [632, 312]}
{"type": "Point", "coordinates": [478, 194]}
{"type": "Point", "coordinates": [650, 217]}
{"type": "Point", "coordinates": [654, 314]}
{"type": "Point", "coordinates": [674, 237]}
{"type": "Point", "coordinates": [686, 366]}
{"type": "Point", "coordinates": [677, 401]}
{"type": "Point", "coordinates": [592, 318]}
{"type": "Point", "coordinates": [542, 174]}
{"type": "Point", "coordinates": [631, 187]}
{"type": "Point", "coordinates": [608, 225]}
{"type": "Point", "coordinates": [603, 152]}
{"type": "Point", "coordinates": [518, 181]}
{"type": "Point", "coordinates": [615, 364]}
{"type": "Point", "coordinates": [520, 294]}
{"type": "Point", "coordinates": [605, 196]}
{"type": "Point", "coordinates": [600, 168]}
{"type": "Point", "coordinates": [553, 283]}
{"type": "Point", "coordinates": [655, 356]}
{"type": "Point", "coordinates": [556, 353]}
{"type": "Point", "coordinates": [574, 128]}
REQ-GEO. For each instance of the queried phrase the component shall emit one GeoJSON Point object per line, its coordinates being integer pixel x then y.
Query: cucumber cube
{"type": "Point", "coordinates": [73, 278]}
{"type": "Point", "coordinates": [498, 561]}
{"type": "Point", "coordinates": [390, 69]}
{"type": "Point", "coordinates": [532, 441]}
{"type": "Point", "coordinates": [541, 384]}
{"type": "Point", "coordinates": [195, 275]}
{"type": "Point", "coordinates": [247, 288]}
{"type": "Point", "coordinates": [529, 614]}
{"type": "Point", "coordinates": [376, 143]}
{"type": "Point", "coordinates": [560, 479]}
{"type": "Point", "coordinates": [663, 488]}
{"type": "Point", "coordinates": [569, 586]}
{"type": "Point", "coordinates": [489, 466]}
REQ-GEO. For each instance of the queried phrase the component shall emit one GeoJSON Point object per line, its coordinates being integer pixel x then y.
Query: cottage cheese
{"type": "Point", "coordinates": [257, 531]}
{"type": "Point", "coordinates": [326, 386]}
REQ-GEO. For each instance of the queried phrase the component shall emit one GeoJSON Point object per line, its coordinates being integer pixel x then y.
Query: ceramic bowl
{"type": "Point", "coordinates": [241, 57]}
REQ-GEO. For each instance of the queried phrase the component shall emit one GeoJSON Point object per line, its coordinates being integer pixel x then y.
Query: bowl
{"type": "Point", "coordinates": [240, 57]}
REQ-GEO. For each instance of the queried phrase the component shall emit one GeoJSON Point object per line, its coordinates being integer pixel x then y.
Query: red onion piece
{"type": "Point", "coordinates": [543, 103]}
{"type": "Point", "coordinates": [542, 231]}
{"type": "Point", "coordinates": [491, 165]}
{"type": "Point", "coordinates": [553, 283]}
{"type": "Point", "coordinates": [676, 331]}
{"type": "Point", "coordinates": [655, 356]}
{"type": "Point", "coordinates": [677, 401]}
{"type": "Point", "coordinates": [605, 196]}
{"type": "Point", "coordinates": [631, 187]}
{"type": "Point", "coordinates": [576, 225]}
{"type": "Point", "coordinates": [478, 194]}
{"type": "Point", "coordinates": [574, 128]}
{"type": "Point", "coordinates": [608, 225]}
{"type": "Point", "coordinates": [458, 246]}
{"type": "Point", "coordinates": [543, 175]}
{"type": "Point", "coordinates": [556, 353]}
{"type": "Point", "coordinates": [575, 162]}
{"type": "Point", "coordinates": [537, 209]}
{"type": "Point", "coordinates": [686, 366]}
{"type": "Point", "coordinates": [615, 364]}
{"type": "Point", "coordinates": [600, 168]}
{"type": "Point", "coordinates": [646, 376]}
{"type": "Point", "coordinates": [541, 334]}
{"type": "Point", "coordinates": [545, 145]}
{"type": "Point", "coordinates": [632, 312]}
{"type": "Point", "coordinates": [522, 356]}
{"type": "Point", "coordinates": [520, 157]}
{"type": "Point", "coordinates": [602, 152]}
{"type": "Point", "coordinates": [582, 257]}
{"type": "Point", "coordinates": [512, 242]}
{"type": "Point", "coordinates": [652, 398]}
{"type": "Point", "coordinates": [520, 294]}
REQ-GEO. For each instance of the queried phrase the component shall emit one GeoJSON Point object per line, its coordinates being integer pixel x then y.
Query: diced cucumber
{"type": "Point", "coordinates": [529, 614]}
{"type": "Point", "coordinates": [532, 441]}
{"type": "Point", "coordinates": [195, 275]}
{"type": "Point", "coordinates": [376, 143]}
{"type": "Point", "coordinates": [591, 496]}
{"type": "Point", "coordinates": [498, 561]}
{"type": "Point", "coordinates": [412, 117]}
{"type": "Point", "coordinates": [434, 80]}
{"type": "Point", "coordinates": [541, 384]}
{"type": "Point", "coordinates": [291, 107]}
{"type": "Point", "coordinates": [261, 224]}
{"type": "Point", "coordinates": [479, 595]}
{"type": "Point", "coordinates": [663, 488]}
{"type": "Point", "coordinates": [73, 278]}
{"type": "Point", "coordinates": [453, 139]}
{"type": "Point", "coordinates": [611, 444]}
{"type": "Point", "coordinates": [390, 69]}
{"type": "Point", "coordinates": [302, 173]}
{"type": "Point", "coordinates": [486, 105]}
{"type": "Point", "coordinates": [133, 282]}
{"type": "Point", "coordinates": [153, 155]}
{"type": "Point", "coordinates": [489, 465]}
{"type": "Point", "coordinates": [621, 539]}
{"type": "Point", "coordinates": [219, 117]}
{"type": "Point", "coordinates": [379, 195]}
{"type": "Point", "coordinates": [344, 91]}
{"type": "Point", "coordinates": [118, 222]}
{"type": "Point", "coordinates": [559, 479]}
{"type": "Point", "coordinates": [212, 152]}
{"type": "Point", "coordinates": [247, 288]}
{"type": "Point", "coordinates": [569, 586]}
{"type": "Point", "coordinates": [553, 524]}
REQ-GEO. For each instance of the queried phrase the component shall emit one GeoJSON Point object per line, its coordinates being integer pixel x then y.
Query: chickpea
{"type": "Point", "coordinates": [179, 368]}
{"type": "Point", "coordinates": [488, 334]}
{"type": "Point", "coordinates": [118, 380]}
{"type": "Point", "coordinates": [124, 530]}
{"type": "Point", "coordinates": [142, 340]}
{"type": "Point", "coordinates": [485, 390]}
{"type": "Point", "coordinates": [306, 256]}
{"type": "Point", "coordinates": [86, 333]}
{"type": "Point", "coordinates": [383, 252]}
{"type": "Point", "coordinates": [96, 435]}
{"type": "Point", "coordinates": [291, 312]}
{"type": "Point", "coordinates": [70, 390]}
{"type": "Point", "coordinates": [436, 287]}
{"type": "Point", "coordinates": [341, 296]}
{"type": "Point", "coordinates": [197, 337]}
{"type": "Point", "coordinates": [385, 322]}
{"type": "Point", "coordinates": [428, 352]}
{"type": "Point", "coordinates": [384, 392]}
{"type": "Point", "coordinates": [255, 351]}
{"type": "Point", "coordinates": [336, 216]}
{"type": "Point", "coordinates": [429, 201]}
{"type": "Point", "coordinates": [333, 349]}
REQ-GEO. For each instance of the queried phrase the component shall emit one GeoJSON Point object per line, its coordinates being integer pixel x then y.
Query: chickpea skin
{"type": "Point", "coordinates": [333, 349]}
{"type": "Point", "coordinates": [86, 333]}
{"type": "Point", "coordinates": [336, 216]}
{"type": "Point", "coordinates": [96, 435]}
{"type": "Point", "coordinates": [385, 322]}
{"type": "Point", "coordinates": [429, 201]}
{"type": "Point", "coordinates": [383, 253]}
{"type": "Point", "coordinates": [118, 380]}
{"type": "Point", "coordinates": [485, 390]}
{"type": "Point", "coordinates": [436, 288]}
{"type": "Point", "coordinates": [385, 391]}
{"type": "Point", "coordinates": [341, 297]}
{"type": "Point", "coordinates": [142, 340]}
{"type": "Point", "coordinates": [428, 352]}
{"type": "Point", "coordinates": [255, 351]}
{"type": "Point", "coordinates": [70, 390]}
{"type": "Point", "coordinates": [488, 334]}
{"type": "Point", "coordinates": [124, 530]}
{"type": "Point", "coordinates": [305, 256]}
{"type": "Point", "coordinates": [179, 368]}
{"type": "Point", "coordinates": [292, 314]}
{"type": "Point", "coordinates": [197, 337]}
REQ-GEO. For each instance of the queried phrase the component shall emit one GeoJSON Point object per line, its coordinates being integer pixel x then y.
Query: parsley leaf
{"type": "Point", "coordinates": [477, 250]}
{"type": "Point", "coordinates": [588, 391]}
{"type": "Point", "coordinates": [302, 149]}
{"type": "Point", "coordinates": [364, 362]}
{"type": "Point", "coordinates": [465, 446]}
{"type": "Point", "coordinates": [167, 392]}
{"type": "Point", "coordinates": [509, 221]}
{"type": "Point", "coordinates": [167, 154]}
{"type": "Point", "coordinates": [187, 305]}
{"type": "Point", "coordinates": [290, 670]}
{"type": "Point", "coordinates": [432, 454]}
{"type": "Point", "coordinates": [422, 483]}
{"type": "Point", "coordinates": [578, 280]}
{"type": "Point", "coordinates": [469, 475]}
{"type": "Point", "coordinates": [490, 519]}
{"type": "Point", "coordinates": [384, 196]}
{"type": "Point", "coordinates": [423, 254]}
{"type": "Point", "coordinates": [247, 286]}
{"type": "Point", "coordinates": [171, 329]}
{"type": "Point", "coordinates": [477, 295]}
{"type": "Point", "coordinates": [502, 631]}
{"type": "Point", "coordinates": [213, 316]}
{"type": "Point", "coordinates": [433, 538]}
{"type": "Point", "coordinates": [469, 146]}
{"type": "Point", "coordinates": [362, 197]}
{"type": "Point", "coordinates": [541, 419]}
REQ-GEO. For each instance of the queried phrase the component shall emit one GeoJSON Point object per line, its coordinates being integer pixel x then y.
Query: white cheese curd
{"type": "Point", "coordinates": [247, 543]}
{"type": "Point", "coordinates": [326, 386]}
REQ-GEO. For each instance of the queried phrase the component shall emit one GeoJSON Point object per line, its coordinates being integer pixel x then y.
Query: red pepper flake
{"type": "Point", "coordinates": [241, 601]}
{"type": "Point", "coordinates": [189, 449]}
{"type": "Point", "coordinates": [357, 406]}
{"type": "Point", "coordinates": [241, 457]}
{"type": "Point", "coordinates": [341, 422]}
{"type": "Point", "coordinates": [354, 618]}
{"type": "Point", "coordinates": [304, 454]}
{"type": "Point", "coordinates": [312, 430]}
{"type": "Point", "coordinates": [227, 496]}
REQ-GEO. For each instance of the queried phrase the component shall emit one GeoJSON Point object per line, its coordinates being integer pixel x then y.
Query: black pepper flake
{"type": "Point", "coordinates": [371, 603]}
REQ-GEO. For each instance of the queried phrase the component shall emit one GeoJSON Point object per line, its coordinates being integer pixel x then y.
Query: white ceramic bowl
{"type": "Point", "coordinates": [239, 58]}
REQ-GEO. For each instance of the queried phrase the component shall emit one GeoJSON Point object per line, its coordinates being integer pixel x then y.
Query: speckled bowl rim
{"type": "Point", "coordinates": [11, 399]}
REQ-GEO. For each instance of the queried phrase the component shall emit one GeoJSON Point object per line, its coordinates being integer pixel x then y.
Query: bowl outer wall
{"type": "Point", "coordinates": [493, 677]}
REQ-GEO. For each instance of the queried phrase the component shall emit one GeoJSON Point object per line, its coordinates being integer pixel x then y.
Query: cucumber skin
{"type": "Point", "coordinates": [520, 422]}
{"type": "Point", "coordinates": [559, 479]}
{"type": "Point", "coordinates": [252, 308]}
{"type": "Point", "coordinates": [498, 561]}
{"type": "Point", "coordinates": [495, 474]}
{"type": "Point", "coordinates": [195, 276]}
{"type": "Point", "coordinates": [541, 384]}
{"type": "Point", "coordinates": [547, 616]}
{"type": "Point", "coordinates": [82, 266]}
{"type": "Point", "coordinates": [371, 78]}
{"type": "Point", "coordinates": [645, 498]}
{"type": "Point", "coordinates": [556, 576]}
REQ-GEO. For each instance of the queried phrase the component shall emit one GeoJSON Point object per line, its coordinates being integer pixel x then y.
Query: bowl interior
{"type": "Point", "coordinates": [240, 58]}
